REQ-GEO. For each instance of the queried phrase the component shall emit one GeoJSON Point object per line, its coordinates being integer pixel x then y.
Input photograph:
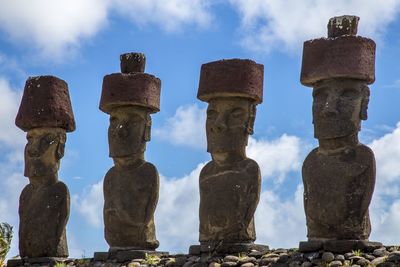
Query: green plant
{"type": "Point", "coordinates": [242, 256]}
{"type": "Point", "coordinates": [152, 259]}
{"type": "Point", "coordinates": [6, 234]}
{"type": "Point", "coordinates": [60, 264]}
{"type": "Point", "coordinates": [357, 252]}
{"type": "Point", "coordinates": [83, 261]}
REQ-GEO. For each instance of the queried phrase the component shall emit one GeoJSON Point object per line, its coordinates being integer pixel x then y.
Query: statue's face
{"type": "Point", "coordinates": [43, 151]}
{"type": "Point", "coordinates": [227, 124]}
{"type": "Point", "coordinates": [128, 131]}
{"type": "Point", "coordinates": [338, 107]}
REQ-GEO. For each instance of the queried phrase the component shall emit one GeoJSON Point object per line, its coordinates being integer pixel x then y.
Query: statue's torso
{"type": "Point", "coordinates": [337, 192]}
{"type": "Point", "coordinates": [228, 199]}
{"type": "Point", "coordinates": [130, 199]}
{"type": "Point", "coordinates": [43, 215]}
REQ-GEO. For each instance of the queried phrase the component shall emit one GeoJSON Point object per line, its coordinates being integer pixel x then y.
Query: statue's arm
{"type": "Point", "coordinates": [153, 188]}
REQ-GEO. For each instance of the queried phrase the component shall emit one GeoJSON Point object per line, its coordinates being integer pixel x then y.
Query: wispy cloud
{"type": "Point", "coordinates": [186, 127]}
{"type": "Point", "coordinates": [395, 84]}
{"type": "Point", "coordinates": [56, 28]}
{"type": "Point", "coordinates": [269, 25]}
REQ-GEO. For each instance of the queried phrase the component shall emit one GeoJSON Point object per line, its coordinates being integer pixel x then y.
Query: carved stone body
{"type": "Point", "coordinates": [45, 113]}
{"type": "Point", "coordinates": [339, 175]}
{"type": "Point", "coordinates": [230, 184]}
{"type": "Point", "coordinates": [43, 215]}
{"type": "Point", "coordinates": [131, 195]}
{"type": "Point", "coordinates": [337, 192]}
{"type": "Point", "coordinates": [229, 196]}
{"type": "Point", "coordinates": [45, 202]}
{"type": "Point", "coordinates": [130, 187]}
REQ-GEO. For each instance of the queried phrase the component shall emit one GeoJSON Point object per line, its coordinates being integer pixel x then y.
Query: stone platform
{"type": "Point", "coordinates": [380, 257]}
{"type": "Point", "coordinates": [339, 246]}
{"type": "Point", "coordinates": [127, 255]}
{"type": "Point", "coordinates": [226, 248]}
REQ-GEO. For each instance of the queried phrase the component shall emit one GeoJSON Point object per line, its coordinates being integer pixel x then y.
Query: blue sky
{"type": "Point", "coordinates": [80, 42]}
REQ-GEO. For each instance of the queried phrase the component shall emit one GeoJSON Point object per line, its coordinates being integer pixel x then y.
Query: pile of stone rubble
{"type": "Point", "coordinates": [381, 257]}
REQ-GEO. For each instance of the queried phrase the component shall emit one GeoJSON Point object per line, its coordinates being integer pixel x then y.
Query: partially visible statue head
{"type": "Point", "coordinates": [339, 105]}
{"type": "Point", "coordinates": [45, 113]}
{"type": "Point", "coordinates": [129, 130]}
{"type": "Point", "coordinates": [129, 98]}
{"type": "Point", "coordinates": [43, 151]}
{"type": "Point", "coordinates": [229, 122]}
{"type": "Point", "coordinates": [232, 88]}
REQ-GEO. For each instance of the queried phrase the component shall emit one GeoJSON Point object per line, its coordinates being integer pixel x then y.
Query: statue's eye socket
{"type": "Point", "coordinates": [349, 93]}
{"type": "Point", "coordinates": [319, 95]}
{"type": "Point", "coordinates": [237, 113]}
{"type": "Point", "coordinates": [136, 118]}
{"type": "Point", "coordinates": [212, 114]}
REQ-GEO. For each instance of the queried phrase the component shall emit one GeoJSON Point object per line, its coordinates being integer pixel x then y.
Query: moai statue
{"type": "Point", "coordinates": [230, 183]}
{"type": "Point", "coordinates": [339, 175]}
{"type": "Point", "coordinates": [46, 115]}
{"type": "Point", "coordinates": [131, 186]}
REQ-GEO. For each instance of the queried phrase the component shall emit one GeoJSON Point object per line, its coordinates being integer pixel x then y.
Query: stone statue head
{"type": "Point", "coordinates": [339, 105]}
{"type": "Point", "coordinates": [229, 122]}
{"type": "Point", "coordinates": [129, 131]}
{"type": "Point", "coordinates": [43, 151]}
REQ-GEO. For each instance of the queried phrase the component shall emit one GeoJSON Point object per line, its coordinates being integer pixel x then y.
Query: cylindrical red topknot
{"type": "Point", "coordinates": [132, 87]}
{"type": "Point", "coordinates": [45, 103]}
{"type": "Point", "coordinates": [342, 55]}
{"type": "Point", "coordinates": [133, 62]}
{"type": "Point", "coordinates": [231, 78]}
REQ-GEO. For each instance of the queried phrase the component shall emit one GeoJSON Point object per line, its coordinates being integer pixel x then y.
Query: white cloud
{"type": "Point", "coordinates": [281, 223]}
{"type": "Point", "coordinates": [90, 204]}
{"type": "Point", "coordinates": [277, 157]}
{"type": "Point", "coordinates": [169, 15]}
{"type": "Point", "coordinates": [177, 214]}
{"type": "Point", "coordinates": [56, 28]}
{"type": "Point", "coordinates": [186, 127]}
{"type": "Point", "coordinates": [387, 154]}
{"type": "Point", "coordinates": [10, 135]}
{"type": "Point", "coordinates": [286, 24]}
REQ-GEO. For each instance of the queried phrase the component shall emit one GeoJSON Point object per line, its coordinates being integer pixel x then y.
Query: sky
{"type": "Point", "coordinates": [80, 41]}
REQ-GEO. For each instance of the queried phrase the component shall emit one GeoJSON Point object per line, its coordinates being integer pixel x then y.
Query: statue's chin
{"type": "Point", "coordinates": [334, 128]}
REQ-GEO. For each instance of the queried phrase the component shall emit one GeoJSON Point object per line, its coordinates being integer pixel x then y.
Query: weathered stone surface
{"type": "Point", "coordinates": [45, 202]}
{"type": "Point", "coordinates": [132, 87]}
{"type": "Point", "coordinates": [45, 103]}
{"type": "Point", "coordinates": [339, 74]}
{"type": "Point", "coordinates": [341, 55]}
{"type": "Point", "coordinates": [129, 221]}
{"type": "Point", "coordinates": [231, 78]}
{"type": "Point", "coordinates": [132, 62]}
{"type": "Point", "coordinates": [131, 187]}
{"type": "Point", "coordinates": [342, 25]}
{"type": "Point", "coordinates": [230, 183]}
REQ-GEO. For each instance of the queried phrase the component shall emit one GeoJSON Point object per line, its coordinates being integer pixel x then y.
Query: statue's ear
{"type": "Point", "coordinates": [252, 117]}
{"type": "Point", "coordinates": [364, 103]}
{"type": "Point", "coordinates": [147, 129]}
{"type": "Point", "coordinates": [62, 138]}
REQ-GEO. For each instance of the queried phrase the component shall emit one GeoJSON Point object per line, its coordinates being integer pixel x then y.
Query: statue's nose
{"type": "Point", "coordinates": [220, 124]}
{"type": "Point", "coordinates": [121, 131]}
{"type": "Point", "coordinates": [33, 149]}
{"type": "Point", "coordinates": [330, 107]}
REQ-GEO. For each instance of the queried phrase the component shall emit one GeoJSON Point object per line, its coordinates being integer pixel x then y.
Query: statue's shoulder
{"type": "Point", "coordinates": [148, 167]}
{"type": "Point", "coordinates": [61, 187]}
{"type": "Point", "coordinates": [207, 168]}
{"type": "Point", "coordinates": [364, 150]}
{"type": "Point", "coordinates": [249, 164]}
{"type": "Point", "coordinates": [148, 170]}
